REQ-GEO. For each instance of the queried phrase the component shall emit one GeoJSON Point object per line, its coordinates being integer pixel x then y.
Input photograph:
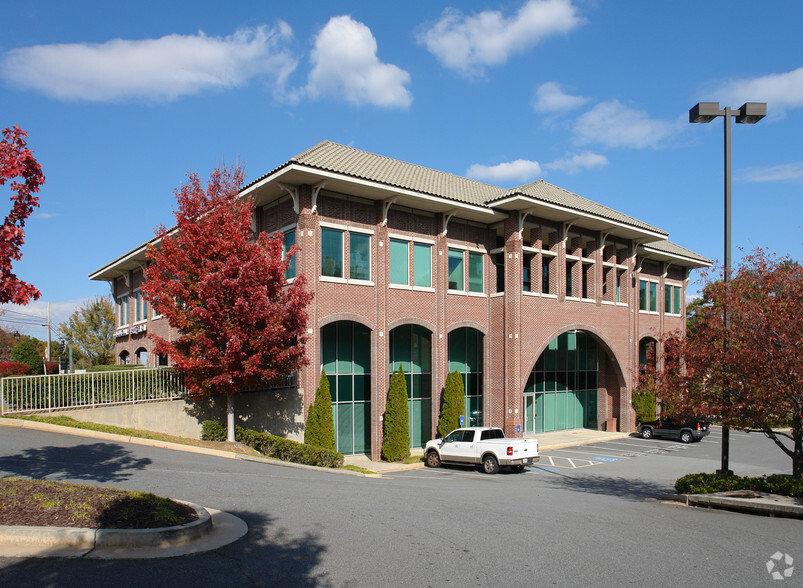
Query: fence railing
{"type": "Point", "coordinates": [20, 394]}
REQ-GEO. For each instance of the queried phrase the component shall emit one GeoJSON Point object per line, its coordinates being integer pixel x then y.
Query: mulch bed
{"type": "Point", "coordinates": [57, 504]}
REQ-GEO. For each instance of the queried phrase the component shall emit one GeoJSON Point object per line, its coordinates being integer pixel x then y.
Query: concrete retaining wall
{"type": "Point", "coordinates": [277, 412]}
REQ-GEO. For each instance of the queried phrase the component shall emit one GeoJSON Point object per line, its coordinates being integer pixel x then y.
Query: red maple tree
{"type": "Point", "coordinates": [240, 324]}
{"type": "Point", "coordinates": [748, 372]}
{"type": "Point", "coordinates": [18, 164]}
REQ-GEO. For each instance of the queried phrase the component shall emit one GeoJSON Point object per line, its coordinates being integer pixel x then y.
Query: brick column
{"type": "Point", "coordinates": [512, 329]}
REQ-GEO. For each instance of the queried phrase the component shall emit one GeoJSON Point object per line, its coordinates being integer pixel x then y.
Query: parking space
{"type": "Point", "coordinates": [600, 453]}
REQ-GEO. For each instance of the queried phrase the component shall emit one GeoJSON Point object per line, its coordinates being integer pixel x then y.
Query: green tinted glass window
{"type": "Point", "coordinates": [359, 256]}
{"type": "Point", "coordinates": [475, 265]}
{"type": "Point", "coordinates": [422, 264]}
{"type": "Point", "coordinates": [332, 253]}
{"type": "Point", "coordinates": [399, 262]}
{"type": "Point", "coordinates": [455, 269]}
{"type": "Point", "coordinates": [288, 242]}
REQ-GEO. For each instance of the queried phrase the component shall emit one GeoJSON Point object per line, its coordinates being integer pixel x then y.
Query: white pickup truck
{"type": "Point", "coordinates": [481, 445]}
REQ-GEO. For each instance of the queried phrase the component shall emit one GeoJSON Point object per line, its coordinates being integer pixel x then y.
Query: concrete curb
{"type": "Point", "coordinates": [37, 426]}
{"type": "Point", "coordinates": [212, 530]}
{"type": "Point", "coordinates": [760, 503]}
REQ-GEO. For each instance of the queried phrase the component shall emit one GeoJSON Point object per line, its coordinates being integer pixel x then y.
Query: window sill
{"type": "Point", "coordinates": [464, 293]}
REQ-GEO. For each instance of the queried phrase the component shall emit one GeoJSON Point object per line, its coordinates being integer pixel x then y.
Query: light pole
{"type": "Point", "coordinates": [749, 113]}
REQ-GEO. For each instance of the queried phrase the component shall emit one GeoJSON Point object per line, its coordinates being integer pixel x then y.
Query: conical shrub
{"type": "Point", "coordinates": [454, 403]}
{"type": "Point", "coordinates": [396, 430]}
{"type": "Point", "coordinates": [320, 427]}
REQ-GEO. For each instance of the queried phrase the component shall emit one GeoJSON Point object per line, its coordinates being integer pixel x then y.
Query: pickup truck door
{"type": "Point", "coordinates": [459, 446]}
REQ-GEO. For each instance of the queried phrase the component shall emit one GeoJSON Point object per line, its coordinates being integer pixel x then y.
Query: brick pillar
{"type": "Point", "coordinates": [307, 264]}
{"type": "Point", "coordinates": [512, 330]}
{"type": "Point", "coordinates": [380, 347]}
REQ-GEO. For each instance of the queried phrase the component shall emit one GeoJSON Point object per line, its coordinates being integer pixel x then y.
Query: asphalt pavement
{"type": "Point", "coordinates": [601, 525]}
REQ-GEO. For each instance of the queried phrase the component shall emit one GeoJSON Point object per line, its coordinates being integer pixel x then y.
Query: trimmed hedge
{"type": "Point", "coordinates": [273, 446]}
{"type": "Point", "coordinates": [114, 368]}
{"type": "Point", "coordinates": [13, 368]}
{"type": "Point", "coordinates": [708, 483]}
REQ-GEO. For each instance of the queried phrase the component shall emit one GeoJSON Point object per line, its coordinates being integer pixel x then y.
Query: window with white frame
{"type": "Point", "coordinates": [672, 301]}
{"type": "Point", "coordinates": [331, 253]}
{"type": "Point", "coordinates": [359, 256]}
{"type": "Point", "coordinates": [648, 296]}
{"type": "Point", "coordinates": [422, 265]}
{"type": "Point", "coordinates": [287, 244]}
{"type": "Point", "coordinates": [399, 262]}
{"type": "Point", "coordinates": [140, 307]}
{"type": "Point", "coordinates": [455, 269]}
{"type": "Point", "coordinates": [122, 311]}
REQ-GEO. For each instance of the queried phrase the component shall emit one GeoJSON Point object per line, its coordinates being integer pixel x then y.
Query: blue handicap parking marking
{"type": "Point", "coordinates": [605, 458]}
{"type": "Point", "coordinates": [543, 469]}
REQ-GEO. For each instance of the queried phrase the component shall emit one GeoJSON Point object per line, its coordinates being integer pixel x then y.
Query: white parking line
{"type": "Point", "coordinates": [585, 452]}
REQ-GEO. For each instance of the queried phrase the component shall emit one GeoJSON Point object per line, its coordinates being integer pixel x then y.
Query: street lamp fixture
{"type": "Point", "coordinates": [750, 113]}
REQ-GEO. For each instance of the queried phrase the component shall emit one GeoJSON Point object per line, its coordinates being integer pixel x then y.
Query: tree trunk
{"type": "Point", "coordinates": [230, 417]}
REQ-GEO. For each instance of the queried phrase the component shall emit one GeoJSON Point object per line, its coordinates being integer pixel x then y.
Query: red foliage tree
{"type": "Point", "coordinates": [17, 163]}
{"type": "Point", "coordinates": [751, 372]}
{"type": "Point", "coordinates": [240, 324]}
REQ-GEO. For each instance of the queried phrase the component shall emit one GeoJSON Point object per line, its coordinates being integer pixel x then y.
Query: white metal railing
{"type": "Point", "coordinates": [19, 394]}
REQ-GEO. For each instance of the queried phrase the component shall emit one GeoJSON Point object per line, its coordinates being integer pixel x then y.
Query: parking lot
{"type": "Point", "coordinates": [594, 455]}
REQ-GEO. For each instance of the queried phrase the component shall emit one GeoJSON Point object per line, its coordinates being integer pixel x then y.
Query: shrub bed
{"type": "Point", "coordinates": [12, 368]}
{"type": "Point", "coordinates": [708, 483]}
{"type": "Point", "coordinates": [273, 446]}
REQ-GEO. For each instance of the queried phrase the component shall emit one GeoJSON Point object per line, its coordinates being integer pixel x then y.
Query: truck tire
{"type": "Point", "coordinates": [433, 459]}
{"type": "Point", "coordinates": [686, 437]}
{"type": "Point", "coordinates": [489, 464]}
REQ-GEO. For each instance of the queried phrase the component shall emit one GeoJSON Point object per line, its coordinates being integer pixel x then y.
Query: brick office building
{"type": "Point", "coordinates": [545, 301]}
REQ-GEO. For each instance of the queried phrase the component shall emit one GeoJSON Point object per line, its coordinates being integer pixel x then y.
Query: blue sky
{"type": "Point", "coordinates": [122, 100]}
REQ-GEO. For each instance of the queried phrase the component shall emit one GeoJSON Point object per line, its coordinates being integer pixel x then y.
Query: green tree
{"type": "Point", "coordinates": [26, 351]}
{"type": "Point", "coordinates": [90, 331]}
{"type": "Point", "coordinates": [396, 429]}
{"type": "Point", "coordinates": [320, 426]}
{"type": "Point", "coordinates": [454, 403]}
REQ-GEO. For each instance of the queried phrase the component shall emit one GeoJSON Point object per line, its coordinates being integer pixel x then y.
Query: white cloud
{"type": "Point", "coordinates": [345, 65]}
{"type": "Point", "coordinates": [788, 172]}
{"type": "Point", "coordinates": [30, 319]}
{"type": "Point", "coordinates": [576, 163]}
{"type": "Point", "coordinates": [468, 44]}
{"type": "Point", "coordinates": [520, 170]}
{"type": "Point", "coordinates": [780, 91]}
{"type": "Point", "coordinates": [550, 98]}
{"type": "Point", "coordinates": [613, 124]}
{"type": "Point", "coordinates": [161, 69]}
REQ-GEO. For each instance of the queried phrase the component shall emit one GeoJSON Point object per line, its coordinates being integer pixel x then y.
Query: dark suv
{"type": "Point", "coordinates": [685, 430]}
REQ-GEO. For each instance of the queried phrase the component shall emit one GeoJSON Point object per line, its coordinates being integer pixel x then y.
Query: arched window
{"type": "Point", "coordinates": [124, 358]}
{"type": "Point", "coordinates": [411, 349]}
{"type": "Point", "coordinates": [346, 353]}
{"type": "Point", "coordinates": [561, 392]}
{"type": "Point", "coordinates": [142, 356]}
{"type": "Point", "coordinates": [465, 356]}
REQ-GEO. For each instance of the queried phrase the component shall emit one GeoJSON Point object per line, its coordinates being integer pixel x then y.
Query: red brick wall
{"type": "Point", "coordinates": [517, 326]}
